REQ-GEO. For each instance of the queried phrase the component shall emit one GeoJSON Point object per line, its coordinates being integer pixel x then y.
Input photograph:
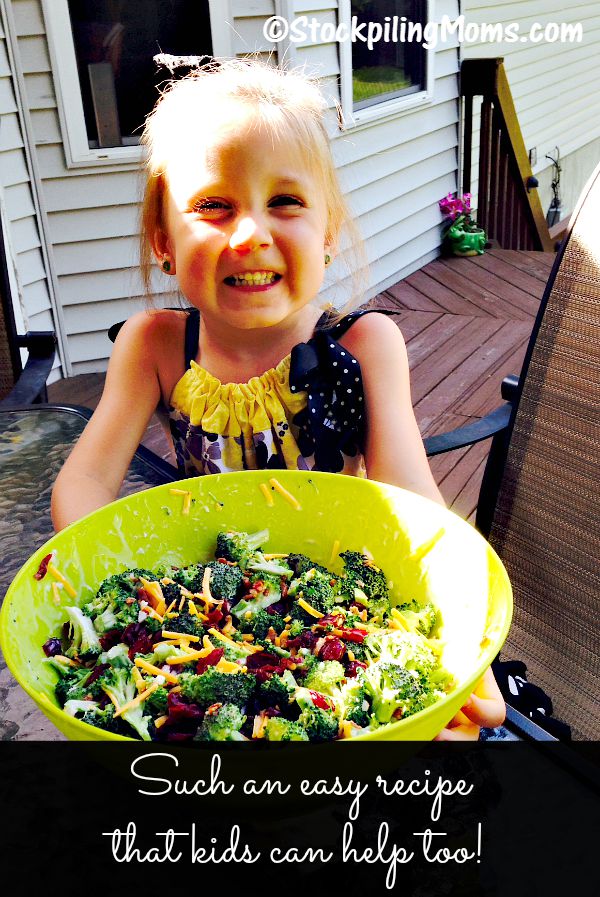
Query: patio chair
{"type": "Point", "coordinates": [18, 385]}
{"type": "Point", "coordinates": [538, 504]}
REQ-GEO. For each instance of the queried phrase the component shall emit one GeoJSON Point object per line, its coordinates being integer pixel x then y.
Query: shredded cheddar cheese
{"type": "Point", "coordinates": [55, 593]}
{"type": "Point", "coordinates": [334, 551]}
{"type": "Point", "coordinates": [135, 702]}
{"type": "Point", "coordinates": [287, 495]}
{"type": "Point", "coordinates": [310, 609]}
{"type": "Point", "coordinates": [155, 671]}
{"type": "Point", "coordinates": [268, 497]}
{"type": "Point", "coordinates": [62, 579]}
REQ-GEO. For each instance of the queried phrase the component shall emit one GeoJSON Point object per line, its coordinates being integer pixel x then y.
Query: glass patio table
{"type": "Point", "coordinates": [34, 443]}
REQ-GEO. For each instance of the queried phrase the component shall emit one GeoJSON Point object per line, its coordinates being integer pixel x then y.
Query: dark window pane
{"type": "Point", "coordinates": [126, 35]}
{"type": "Point", "coordinates": [391, 68]}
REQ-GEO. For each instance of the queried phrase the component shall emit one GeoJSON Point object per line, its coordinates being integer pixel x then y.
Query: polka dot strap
{"type": "Point", "coordinates": [332, 378]}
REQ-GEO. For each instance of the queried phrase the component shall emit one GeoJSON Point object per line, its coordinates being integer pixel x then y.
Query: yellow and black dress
{"type": "Point", "coordinates": [304, 414]}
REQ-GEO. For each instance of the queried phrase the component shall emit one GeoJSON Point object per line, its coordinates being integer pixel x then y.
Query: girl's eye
{"type": "Point", "coordinates": [208, 205]}
{"type": "Point", "coordinates": [285, 200]}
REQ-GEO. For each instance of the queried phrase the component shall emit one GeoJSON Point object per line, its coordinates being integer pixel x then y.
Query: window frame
{"type": "Point", "coordinates": [61, 46]}
{"type": "Point", "coordinates": [380, 111]}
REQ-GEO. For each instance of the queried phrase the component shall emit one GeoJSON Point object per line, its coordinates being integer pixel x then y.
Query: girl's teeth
{"type": "Point", "coordinates": [253, 278]}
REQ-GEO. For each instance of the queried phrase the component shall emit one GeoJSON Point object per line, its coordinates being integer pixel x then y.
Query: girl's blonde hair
{"type": "Point", "coordinates": [280, 98]}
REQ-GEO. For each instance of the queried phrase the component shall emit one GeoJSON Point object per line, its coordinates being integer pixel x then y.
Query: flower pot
{"type": "Point", "coordinates": [464, 242]}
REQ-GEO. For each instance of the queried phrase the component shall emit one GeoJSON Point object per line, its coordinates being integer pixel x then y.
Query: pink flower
{"type": "Point", "coordinates": [453, 206]}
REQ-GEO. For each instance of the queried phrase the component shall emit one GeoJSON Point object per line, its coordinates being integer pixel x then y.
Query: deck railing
{"type": "Point", "coordinates": [508, 206]}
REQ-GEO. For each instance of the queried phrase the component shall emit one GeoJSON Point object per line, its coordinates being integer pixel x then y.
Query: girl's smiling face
{"type": "Point", "coordinates": [245, 224]}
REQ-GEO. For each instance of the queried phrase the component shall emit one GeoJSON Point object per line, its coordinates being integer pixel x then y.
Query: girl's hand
{"type": "Point", "coordinates": [485, 707]}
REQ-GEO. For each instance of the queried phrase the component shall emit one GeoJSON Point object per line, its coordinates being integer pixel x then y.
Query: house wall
{"type": "Point", "coordinates": [22, 225]}
{"type": "Point", "coordinates": [554, 87]}
{"type": "Point", "coordinates": [394, 172]}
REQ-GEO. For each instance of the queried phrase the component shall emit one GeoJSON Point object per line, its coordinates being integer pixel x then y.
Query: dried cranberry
{"type": "Point", "coordinates": [110, 639]}
{"type": "Point", "coordinates": [52, 647]}
{"type": "Point", "coordinates": [265, 673]}
{"type": "Point", "coordinates": [321, 701]}
{"type": "Point", "coordinates": [96, 673]}
{"type": "Point", "coordinates": [214, 616]}
{"type": "Point", "coordinates": [308, 639]}
{"type": "Point", "coordinates": [353, 667]}
{"type": "Point", "coordinates": [333, 649]}
{"type": "Point", "coordinates": [142, 645]}
{"type": "Point", "coordinates": [211, 660]}
{"type": "Point", "coordinates": [354, 635]}
{"type": "Point", "coordinates": [278, 608]}
{"type": "Point", "coordinates": [261, 659]}
{"type": "Point", "coordinates": [179, 709]}
{"type": "Point", "coordinates": [43, 568]}
{"type": "Point", "coordinates": [336, 620]}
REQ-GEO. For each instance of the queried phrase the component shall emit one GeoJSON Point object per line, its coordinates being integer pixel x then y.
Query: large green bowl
{"type": "Point", "coordinates": [426, 552]}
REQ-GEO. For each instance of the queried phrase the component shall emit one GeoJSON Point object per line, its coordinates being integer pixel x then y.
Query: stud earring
{"type": "Point", "coordinates": [327, 258]}
{"type": "Point", "coordinates": [166, 265]}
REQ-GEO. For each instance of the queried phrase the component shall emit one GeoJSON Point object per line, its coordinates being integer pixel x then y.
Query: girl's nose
{"type": "Point", "coordinates": [250, 234]}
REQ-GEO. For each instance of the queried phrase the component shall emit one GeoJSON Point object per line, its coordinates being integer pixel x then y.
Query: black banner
{"type": "Point", "coordinates": [399, 818]}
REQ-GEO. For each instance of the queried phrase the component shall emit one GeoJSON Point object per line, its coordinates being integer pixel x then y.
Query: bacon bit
{"type": "Point", "coordinates": [398, 713]}
{"type": "Point", "coordinates": [43, 568]}
{"type": "Point", "coordinates": [210, 711]}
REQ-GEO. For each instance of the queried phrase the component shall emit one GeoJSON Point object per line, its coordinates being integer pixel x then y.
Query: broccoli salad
{"type": "Point", "coordinates": [248, 646]}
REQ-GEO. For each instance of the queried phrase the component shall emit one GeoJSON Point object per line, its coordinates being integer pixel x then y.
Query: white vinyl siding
{"type": "Point", "coordinates": [33, 309]}
{"type": "Point", "coordinates": [554, 86]}
{"type": "Point", "coordinates": [394, 171]}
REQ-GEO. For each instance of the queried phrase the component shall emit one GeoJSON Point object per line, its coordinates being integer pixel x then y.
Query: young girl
{"type": "Point", "coordinates": [243, 207]}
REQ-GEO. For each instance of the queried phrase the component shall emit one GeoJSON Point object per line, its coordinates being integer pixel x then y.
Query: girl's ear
{"type": "Point", "coordinates": [160, 244]}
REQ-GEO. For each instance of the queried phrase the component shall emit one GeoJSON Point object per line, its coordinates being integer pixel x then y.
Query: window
{"type": "Point", "coordinates": [106, 79]}
{"type": "Point", "coordinates": [395, 73]}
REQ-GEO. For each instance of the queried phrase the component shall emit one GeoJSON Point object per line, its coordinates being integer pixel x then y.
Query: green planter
{"type": "Point", "coordinates": [465, 241]}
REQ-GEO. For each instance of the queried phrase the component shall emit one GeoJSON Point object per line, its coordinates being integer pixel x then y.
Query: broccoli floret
{"type": "Point", "coordinates": [115, 608]}
{"type": "Point", "coordinates": [71, 685]}
{"type": "Point", "coordinates": [278, 690]}
{"type": "Point", "coordinates": [296, 628]}
{"type": "Point", "coordinates": [419, 618]}
{"type": "Point", "coordinates": [102, 719]}
{"type": "Point", "coordinates": [73, 707]}
{"type": "Point", "coordinates": [156, 703]}
{"type": "Point", "coordinates": [268, 592]}
{"type": "Point", "coordinates": [364, 582]}
{"type": "Point", "coordinates": [84, 639]}
{"type": "Point", "coordinates": [119, 685]}
{"type": "Point", "coordinates": [185, 623]}
{"type": "Point", "coordinates": [393, 688]}
{"type": "Point", "coordinates": [171, 592]}
{"type": "Point", "coordinates": [325, 676]}
{"type": "Point", "coordinates": [280, 729]}
{"type": "Point", "coordinates": [190, 577]}
{"type": "Point", "coordinates": [240, 547]}
{"type": "Point", "coordinates": [300, 564]}
{"type": "Point", "coordinates": [260, 623]}
{"type": "Point", "coordinates": [316, 589]}
{"type": "Point", "coordinates": [320, 725]}
{"type": "Point", "coordinates": [356, 703]}
{"type": "Point", "coordinates": [225, 580]}
{"type": "Point", "coordinates": [213, 687]}
{"type": "Point", "coordinates": [274, 567]}
{"type": "Point", "coordinates": [222, 725]}
{"type": "Point", "coordinates": [161, 653]}
{"type": "Point", "coordinates": [128, 581]}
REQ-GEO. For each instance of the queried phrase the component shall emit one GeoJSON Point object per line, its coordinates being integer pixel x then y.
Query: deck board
{"type": "Point", "coordinates": [466, 323]}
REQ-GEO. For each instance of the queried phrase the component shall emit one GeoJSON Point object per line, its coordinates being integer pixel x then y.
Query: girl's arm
{"type": "Point", "coordinates": [94, 471]}
{"type": "Point", "coordinates": [394, 451]}
{"type": "Point", "coordinates": [395, 454]}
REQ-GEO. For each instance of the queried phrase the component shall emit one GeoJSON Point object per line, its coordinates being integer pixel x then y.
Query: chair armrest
{"type": "Point", "coordinates": [484, 428]}
{"type": "Point", "coordinates": [509, 387]}
{"type": "Point", "coordinates": [41, 345]}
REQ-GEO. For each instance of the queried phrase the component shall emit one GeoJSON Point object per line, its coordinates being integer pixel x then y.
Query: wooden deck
{"type": "Point", "coordinates": [466, 323]}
